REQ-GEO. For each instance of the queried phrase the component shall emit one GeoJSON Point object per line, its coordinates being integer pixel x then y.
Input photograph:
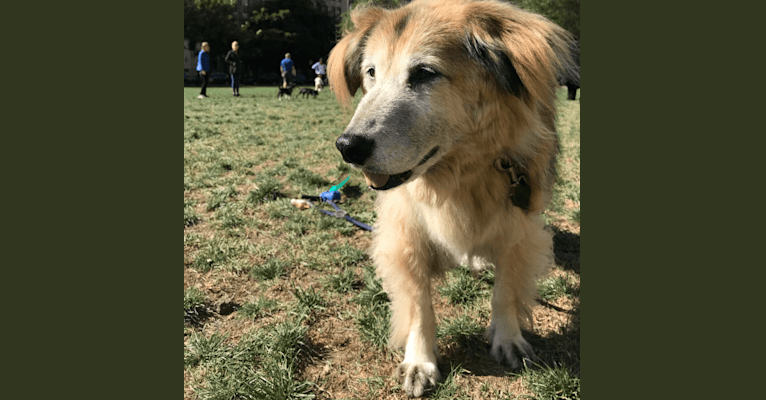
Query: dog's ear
{"type": "Point", "coordinates": [525, 52]}
{"type": "Point", "coordinates": [344, 66]}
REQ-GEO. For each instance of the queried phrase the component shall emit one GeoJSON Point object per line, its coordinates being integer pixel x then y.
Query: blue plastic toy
{"type": "Point", "coordinates": [334, 193]}
{"type": "Point", "coordinates": [331, 196]}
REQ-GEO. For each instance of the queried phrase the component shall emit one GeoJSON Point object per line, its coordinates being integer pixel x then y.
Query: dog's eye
{"type": "Point", "coordinates": [371, 72]}
{"type": "Point", "coordinates": [423, 75]}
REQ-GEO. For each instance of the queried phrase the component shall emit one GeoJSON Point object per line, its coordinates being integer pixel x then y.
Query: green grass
{"type": "Point", "coordinates": [343, 282]}
{"type": "Point", "coordinates": [374, 313]}
{"type": "Point", "coordinates": [268, 189]}
{"type": "Point", "coordinates": [551, 383]}
{"type": "Point", "coordinates": [309, 299]}
{"type": "Point", "coordinates": [193, 298]}
{"type": "Point", "coordinates": [448, 389]}
{"type": "Point", "coordinates": [464, 325]}
{"type": "Point", "coordinates": [190, 216]}
{"type": "Point", "coordinates": [258, 308]}
{"type": "Point", "coordinates": [195, 307]}
{"type": "Point", "coordinates": [219, 197]}
{"type": "Point", "coordinates": [566, 197]}
{"type": "Point", "coordinates": [461, 287]}
{"type": "Point", "coordinates": [271, 269]}
{"type": "Point", "coordinates": [307, 288]}
{"type": "Point", "coordinates": [220, 252]}
{"type": "Point", "coordinates": [261, 365]}
{"type": "Point", "coordinates": [372, 294]}
{"type": "Point", "coordinates": [230, 217]}
{"type": "Point", "coordinates": [373, 323]}
{"type": "Point", "coordinates": [204, 350]}
{"type": "Point", "coordinates": [552, 288]}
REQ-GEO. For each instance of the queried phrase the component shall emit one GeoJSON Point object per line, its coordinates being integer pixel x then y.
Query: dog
{"type": "Point", "coordinates": [285, 92]}
{"type": "Point", "coordinates": [306, 92]}
{"type": "Point", "coordinates": [456, 132]}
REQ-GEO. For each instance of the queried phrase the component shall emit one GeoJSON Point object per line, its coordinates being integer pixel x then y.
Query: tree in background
{"type": "Point", "coordinates": [279, 26]}
{"type": "Point", "coordinates": [566, 13]}
{"type": "Point", "coordinates": [303, 30]}
{"type": "Point", "coordinates": [346, 25]}
{"type": "Point", "coordinates": [210, 21]}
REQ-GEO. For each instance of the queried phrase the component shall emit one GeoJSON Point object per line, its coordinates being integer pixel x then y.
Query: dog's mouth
{"type": "Point", "coordinates": [385, 181]}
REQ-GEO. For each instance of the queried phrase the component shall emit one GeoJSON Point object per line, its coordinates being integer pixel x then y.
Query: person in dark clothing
{"type": "Point", "coordinates": [203, 66]}
{"type": "Point", "coordinates": [572, 78]}
{"type": "Point", "coordinates": [235, 67]}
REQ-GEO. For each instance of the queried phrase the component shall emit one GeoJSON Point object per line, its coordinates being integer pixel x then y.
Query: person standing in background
{"type": "Point", "coordinates": [287, 68]}
{"type": "Point", "coordinates": [319, 68]}
{"type": "Point", "coordinates": [203, 67]}
{"type": "Point", "coordinates": [232, 58]}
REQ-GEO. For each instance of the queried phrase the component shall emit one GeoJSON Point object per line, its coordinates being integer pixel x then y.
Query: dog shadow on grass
{"type": "Point", "coordinates": [559, 348]}
{"type": "Point", "coordinates": [352, 191]}
{"type": "Point", "coordinates": [566, 249]}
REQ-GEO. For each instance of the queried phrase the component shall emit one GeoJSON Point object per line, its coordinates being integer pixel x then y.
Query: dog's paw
{"type": "Point", "coordinates": [513, 351]}
{"type": "Point", "coordinates": [417, 377]}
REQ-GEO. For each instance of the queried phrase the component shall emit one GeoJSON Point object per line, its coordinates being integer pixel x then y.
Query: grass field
{"type": "Point", "coordinates": [282, 303]}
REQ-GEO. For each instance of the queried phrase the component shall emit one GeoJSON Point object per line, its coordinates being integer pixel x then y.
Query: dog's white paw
{"type": "Point", "coordinates": [513, 350]}
{"type": "Point", "coordinates": [416, 377]}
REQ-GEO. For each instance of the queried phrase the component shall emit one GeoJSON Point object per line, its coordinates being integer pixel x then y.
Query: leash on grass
{"type": "Point", "coordinates": [330, 197]}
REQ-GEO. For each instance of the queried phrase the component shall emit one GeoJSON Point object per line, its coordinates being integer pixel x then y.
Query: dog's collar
{"type": "Point", "coordinates": [520, 191]}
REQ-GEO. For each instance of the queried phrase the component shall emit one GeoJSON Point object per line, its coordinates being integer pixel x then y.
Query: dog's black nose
{"type": "Point", "coordinates": [355, 148]}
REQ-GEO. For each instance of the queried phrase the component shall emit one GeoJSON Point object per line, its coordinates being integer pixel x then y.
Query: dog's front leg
{"type": "Point", "coordinates": [406, 272]}
{"type": "Point", "coordinates": [512, 295]}
{"type": "Point", "coordinates": [418, 371]}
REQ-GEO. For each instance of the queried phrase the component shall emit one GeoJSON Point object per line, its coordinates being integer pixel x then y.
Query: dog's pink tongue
{"type": "Point", "coordinates": [375, 180]}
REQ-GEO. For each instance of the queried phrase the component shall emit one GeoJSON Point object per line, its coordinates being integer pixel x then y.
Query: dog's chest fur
{"type": "Point", "coordinates": [464, 224]}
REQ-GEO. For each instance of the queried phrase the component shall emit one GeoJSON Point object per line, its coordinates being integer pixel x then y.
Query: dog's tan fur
{"type": "Point", "coordinates": [457, 205]}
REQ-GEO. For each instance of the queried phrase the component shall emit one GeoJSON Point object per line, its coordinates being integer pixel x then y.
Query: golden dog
{"type": "Point", "coordinates": [456, 129]}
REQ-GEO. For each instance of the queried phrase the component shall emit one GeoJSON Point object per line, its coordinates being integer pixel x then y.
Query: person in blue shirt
{"type": "Point", "coordinates": [287, 69]}
{"type": "Point", "coordinates": [319, 69]}
{"type": "Point", "coordinates": [203, 66]}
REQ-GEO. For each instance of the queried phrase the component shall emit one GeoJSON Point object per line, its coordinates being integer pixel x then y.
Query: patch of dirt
{"type": "Point", "coordinates": [560, 223]}
{"type": "Point", "coordinates": [571, 205]}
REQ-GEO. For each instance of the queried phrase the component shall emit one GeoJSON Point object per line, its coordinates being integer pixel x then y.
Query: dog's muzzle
{"type": "Point", "coordinates": [385, 181]}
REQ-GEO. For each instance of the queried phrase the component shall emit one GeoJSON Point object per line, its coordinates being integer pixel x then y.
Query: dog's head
{"type": "Point", "coordinates": [431, 71]}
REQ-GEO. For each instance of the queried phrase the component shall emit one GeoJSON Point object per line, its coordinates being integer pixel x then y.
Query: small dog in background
{"type": "Point", "coordinates": [285, 92]}
{"type": "Point", "coordinates": [306, 92]}
{"type": "Point", "coordinates": [318, 84]}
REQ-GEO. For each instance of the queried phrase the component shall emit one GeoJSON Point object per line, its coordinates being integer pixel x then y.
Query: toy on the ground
{"type": "Point", "coordinates": [330, 197]}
